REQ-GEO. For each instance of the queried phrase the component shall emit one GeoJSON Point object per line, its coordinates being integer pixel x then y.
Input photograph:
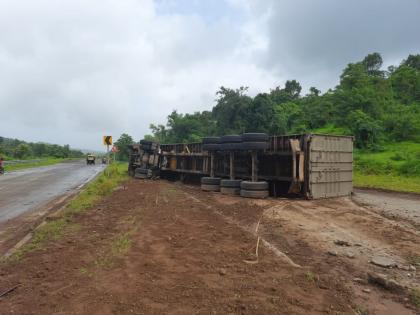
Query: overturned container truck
{"type": "Point", "coordinates": [257, 165]}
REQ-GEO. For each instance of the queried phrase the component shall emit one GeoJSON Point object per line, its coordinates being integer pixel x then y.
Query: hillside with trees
{"type": "Point", "coordinates": [380, 108]}
{"type": "Point", "coordinates": [374, 105]}
{"type": "Point", "coordinates": [18, 149]}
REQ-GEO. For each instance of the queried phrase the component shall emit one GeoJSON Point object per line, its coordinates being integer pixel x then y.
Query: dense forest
{"type": "Point", "coordinates": [18, 149]}
{"type": "Point", "coordinates": [375, 105]}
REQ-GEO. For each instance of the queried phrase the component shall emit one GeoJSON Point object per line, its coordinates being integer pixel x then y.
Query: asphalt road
{"type": "Point", "coordinates": [24, 190]}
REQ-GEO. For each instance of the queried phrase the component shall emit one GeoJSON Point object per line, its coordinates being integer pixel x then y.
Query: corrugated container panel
{"type": "Point", "coordinates": [330, 166]}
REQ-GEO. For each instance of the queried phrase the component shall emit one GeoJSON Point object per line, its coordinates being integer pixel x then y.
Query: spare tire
{"type": "Point", "coordinates": [255, 137]}
{"type": "Point", "coordinates": [211, 140]}
{"type": "Point", "coordinates": [206, 187]}
{"type": "Point", "coordinates": [147, 142]}
{"type": "Point", "coordinates": [247, 185]}
{"type": "Point", "coordinates": [232, 183]}
{"type": "Point", "coordinates": [254, 193]}
{"type": "Point", "coordinates": [231, 139]}
{"type": "Point", "coordinates": [211, 147]}
{"type": "Point", "coordinates": [210, 180]}
{"type": "Point", "coordinates": [254, 146]}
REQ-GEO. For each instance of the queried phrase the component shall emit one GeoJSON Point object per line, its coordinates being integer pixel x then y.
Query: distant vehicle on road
{"type": "Point", "coordinates": [1, 165]}
{"type": "Point", "coordinates": [90, 159]}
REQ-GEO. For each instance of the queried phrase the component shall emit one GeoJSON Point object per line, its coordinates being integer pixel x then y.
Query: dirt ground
{"type": "Point", "coordinates": [155, 247]}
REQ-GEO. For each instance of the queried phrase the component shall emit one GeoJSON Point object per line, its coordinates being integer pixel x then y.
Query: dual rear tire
{"type": "Point", "coordinates": [210, 183]}
{"type": "Point", "coordinates": [230, 186]}
{"type": "Point", "coordinates": [141, 173]}
{"type": "Point", "coordinates": [254, 189]}
{"type": "Point", "coordinates": [235, 187]}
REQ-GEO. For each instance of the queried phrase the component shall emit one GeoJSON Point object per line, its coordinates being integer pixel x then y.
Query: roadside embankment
{"type": "Point", "coordinates": [396, 167]}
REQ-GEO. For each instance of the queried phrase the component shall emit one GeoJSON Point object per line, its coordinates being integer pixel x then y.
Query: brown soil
{"type": "Point", "coordinates": [156, 247]}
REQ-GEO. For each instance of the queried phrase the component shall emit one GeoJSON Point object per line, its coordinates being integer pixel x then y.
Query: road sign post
{"type": "Point", "coordinates": [114, 150]}
{"type": "Point", "coordinates": [107, 141]}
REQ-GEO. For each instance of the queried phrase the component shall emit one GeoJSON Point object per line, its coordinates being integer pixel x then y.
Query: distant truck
{"type": "Point", "coordinates": [90, 159]}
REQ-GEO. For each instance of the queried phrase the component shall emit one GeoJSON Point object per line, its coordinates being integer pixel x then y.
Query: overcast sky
{"type": "Point", "coordinates": [74, 70]}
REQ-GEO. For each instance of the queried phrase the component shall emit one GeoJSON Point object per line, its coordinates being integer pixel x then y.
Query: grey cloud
{"type": "Point", "coordinates": [72, 68]}
{"type": "Point", "coordinates": [314, 40]}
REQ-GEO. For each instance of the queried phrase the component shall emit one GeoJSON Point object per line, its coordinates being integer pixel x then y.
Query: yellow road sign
{"type": "Point", "coordinates": [107, 140]}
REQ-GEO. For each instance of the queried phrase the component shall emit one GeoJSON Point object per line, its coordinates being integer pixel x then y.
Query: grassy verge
{"type": "Point", "coordinates": [388, 182]}
{"type": "Point", "coordinates": [43, 162]}
{"type": "Point", "coordinates": [396, 167]}
{"type": "Point", "coordinates": [102, 186]}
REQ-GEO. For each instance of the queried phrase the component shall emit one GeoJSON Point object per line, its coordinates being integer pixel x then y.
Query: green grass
{"type": "Point", "coordinates": [119, 247]}
{"type": "Point", "coordinates": [388, 182]}
{"type": "Point", "coordinates": [414, 296]}
{"type": "Point", "coordinates": [52, 230]}
{"type": "Point", "coordinates": [121, 244]}
{"type": "Point", "coordinates": [361, 310]}
{"type": "Point", "coordinates": [396, 167]}
{"type": "Point", "coordinates": [311, 277]}
{"type": "Point", "coordinates": [102, 186]}
{"type": "Point", "coordinates": [43, 162]}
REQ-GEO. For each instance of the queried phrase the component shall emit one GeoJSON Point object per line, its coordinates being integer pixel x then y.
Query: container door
{"type": "Point", "coordinates": [330, 166]}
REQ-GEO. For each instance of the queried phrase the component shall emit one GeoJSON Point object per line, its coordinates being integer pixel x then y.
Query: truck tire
{"type": "Point", "coordinates": [247, 185]}
{"type": "Point", "coordinates": [254, 193]}
{"type": "Point", "coordinates": [230, 183]}
{"type": "Point", "coordinates": [141, 176]}
{"type": "Point", "coordinates": [210, 181]}
{"type": "Point", "coordinates": [211, 140]}
{"type": "Point", "coordinates": [211, 147]}
{"type": "Point", "coordinates": [141, 170]}
{"type": "Point", "coordinates": [255, 137]}
{"type": "Point", "coordinates": [231, 139]}
{"type": "Point", "coordinates": [206, 187]}
{"type": "Point", "coordinates": [254, 146]}
{"type": "Point", "coordinates": [230, 191]}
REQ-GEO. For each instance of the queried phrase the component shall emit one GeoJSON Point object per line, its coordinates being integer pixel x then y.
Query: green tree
{"type": "Point", "coordinates": [123, 146]}
{"type": "Point", "coordinates": [366, 130]}
{"type": "Point", "coordinates": [260, 114]}
{"type": "Point", "coordinates": [22, 150]}
{"type": "Point", "coordinates": [231, 110]}
{"type": "Point", "coordinates": [406, 84]}
{"type": "Point", "coordinates": [413, 61]}
{"type": "Point", "coordinates": [373, 63]}
{"type": "Point", "coordinates": [293, 88]}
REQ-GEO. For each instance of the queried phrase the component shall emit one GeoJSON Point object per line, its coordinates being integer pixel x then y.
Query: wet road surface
{"type": "Point", "coordinates": [24, 190]}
